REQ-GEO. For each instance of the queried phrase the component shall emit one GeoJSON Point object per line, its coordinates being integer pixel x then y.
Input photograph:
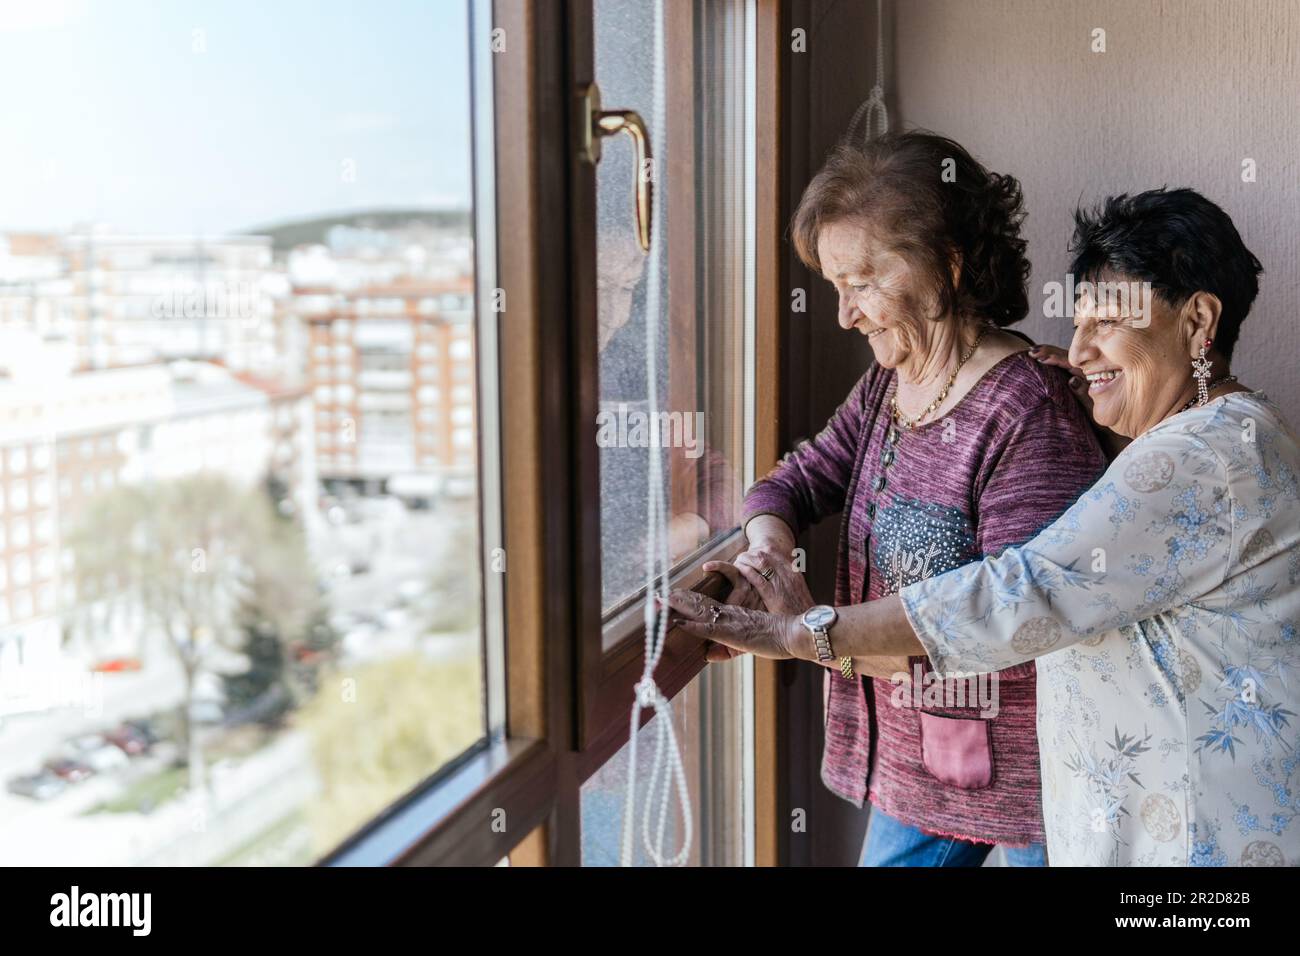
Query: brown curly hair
{"type": "Point", "coordinates": [929, 201]}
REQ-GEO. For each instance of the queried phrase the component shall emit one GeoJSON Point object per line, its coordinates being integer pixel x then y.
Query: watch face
{"type": "Point", "coordinates": [819, 616]}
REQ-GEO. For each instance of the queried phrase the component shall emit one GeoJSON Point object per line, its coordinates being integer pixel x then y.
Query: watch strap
{"type": "Point", "coordinates": [822, 639]}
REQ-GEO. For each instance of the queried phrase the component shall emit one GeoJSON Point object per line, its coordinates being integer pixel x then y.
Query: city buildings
{"type": "Point", "coordinates": [392, 380]}
{"type": "Point", "coordinates": [68, 436]}
{"type": "Point", "coordinates": [344, 363]}
{"type": "Point", "coordinates": [127, 299]}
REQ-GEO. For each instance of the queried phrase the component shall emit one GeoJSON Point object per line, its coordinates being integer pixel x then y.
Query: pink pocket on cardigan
{"type": "Point", "coordinates": [957, 751]}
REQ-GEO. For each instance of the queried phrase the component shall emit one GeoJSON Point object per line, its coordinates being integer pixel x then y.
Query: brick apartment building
{"type": "Point", "coordinates": [391, 373]}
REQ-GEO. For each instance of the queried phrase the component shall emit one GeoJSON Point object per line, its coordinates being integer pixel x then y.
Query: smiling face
{"type": "Point", "coordinates": [1137, 359]}
{"type": "Point", "coordinates": [875, 294]}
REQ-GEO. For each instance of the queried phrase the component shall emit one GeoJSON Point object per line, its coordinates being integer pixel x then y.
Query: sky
{"type": "Point", "coordinates": [214, 116]}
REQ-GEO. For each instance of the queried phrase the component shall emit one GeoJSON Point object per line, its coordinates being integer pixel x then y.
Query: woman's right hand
{"type": "Point", "coordinates": [785, 591]}
{"type": "Point", "coordinates": [768, 539]}
{"type": "Point", "coordinates": [742, 593]}
{"type": "Point", "coordinates": [1111, 442]}
{"type": "Point", "coordinates": [1055, 355]}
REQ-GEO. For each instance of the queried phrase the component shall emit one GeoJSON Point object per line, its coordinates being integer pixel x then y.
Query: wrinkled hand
{"type": "Point", "coordinates": [1112, 442]}
{"type": "Point", "coordinates": [1055, 355]}
{"type": "Point", "coordinates": [783, 590]}
{"type": "Point", "coordinates": [762, 633]}
{"type": "Point", "coordinates": [791, 597]}
{"type": "Point", "coordinates": [742, 595]}
{"type": "Point", "coordinates": [787, 592]}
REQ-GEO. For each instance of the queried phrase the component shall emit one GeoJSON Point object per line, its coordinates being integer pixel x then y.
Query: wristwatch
{"type": "Point", "coordinates": [818, 619]}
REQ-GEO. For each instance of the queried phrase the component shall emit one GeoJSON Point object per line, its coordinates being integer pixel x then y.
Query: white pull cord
{"type": "Point", "coordinates": [648, 694]}
{"type": "Point", "coordinates": [874, 104]}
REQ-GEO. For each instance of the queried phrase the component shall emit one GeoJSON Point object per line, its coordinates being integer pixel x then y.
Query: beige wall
{"type": "Point", "coordinates": [1185, 91]}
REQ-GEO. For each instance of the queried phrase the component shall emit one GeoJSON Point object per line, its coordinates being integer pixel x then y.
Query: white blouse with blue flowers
{"type": "Point", "coordinates": [1163, 609]}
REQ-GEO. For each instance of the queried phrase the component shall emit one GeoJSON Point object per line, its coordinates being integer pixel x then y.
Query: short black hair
{"type": "Point", "coordinates": [1178, 241]}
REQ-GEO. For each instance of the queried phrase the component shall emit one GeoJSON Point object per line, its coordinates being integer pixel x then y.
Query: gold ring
{"type": "Point", "coordinates": [767, 573]}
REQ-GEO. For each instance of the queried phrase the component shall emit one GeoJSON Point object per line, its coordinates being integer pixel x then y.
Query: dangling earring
{"type": "Point", "coordinates": [1201, 372]}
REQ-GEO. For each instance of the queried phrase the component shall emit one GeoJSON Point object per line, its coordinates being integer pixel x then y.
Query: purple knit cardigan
{"type": "Point", "coordinates": [1011, 456]}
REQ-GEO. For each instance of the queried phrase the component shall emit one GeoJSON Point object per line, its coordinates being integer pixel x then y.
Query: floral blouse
{"type": "Point", "coordinates": [1162, 609]}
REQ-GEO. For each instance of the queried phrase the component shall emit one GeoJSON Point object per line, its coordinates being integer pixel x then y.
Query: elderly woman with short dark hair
{"type": "Point", "coordinates": [954, 445]}
{"type": "Point", "coordinates": [1162, 608]}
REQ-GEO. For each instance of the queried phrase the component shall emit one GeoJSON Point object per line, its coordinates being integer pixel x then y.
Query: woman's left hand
{"type": "Point", "coordinates": [783, 590]}
{"type": "Point", "coordinates": [762, 633]}
{"type": "Point", "coordinates": [1111, 442]}
{"type": "Point", "coordinates": [792, 597]}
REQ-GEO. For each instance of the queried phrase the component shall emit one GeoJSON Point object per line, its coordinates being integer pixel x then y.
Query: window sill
{"type": "Point", "coordinates": [449, 821]}
{"type": "Point", "coordinates": [623, 661]}
{"type": "Point", "coordinates": [628, 621]}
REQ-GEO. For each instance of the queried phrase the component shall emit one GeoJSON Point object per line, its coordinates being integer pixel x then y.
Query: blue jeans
{"type": "Point", "coordinates": [891, 842]}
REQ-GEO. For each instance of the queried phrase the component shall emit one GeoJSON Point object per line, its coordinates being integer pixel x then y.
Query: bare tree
{"type": "Point", "coordinates": [184, 557]}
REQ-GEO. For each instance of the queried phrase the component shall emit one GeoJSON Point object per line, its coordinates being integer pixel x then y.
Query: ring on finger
{"type": "Point", "coordinates": [766, 573]}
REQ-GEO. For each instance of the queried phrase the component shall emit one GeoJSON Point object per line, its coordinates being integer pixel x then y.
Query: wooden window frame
{"type": "Point", "coordinates": [611, 653]}
{"type": "Point", "coordinates": [518, 795]}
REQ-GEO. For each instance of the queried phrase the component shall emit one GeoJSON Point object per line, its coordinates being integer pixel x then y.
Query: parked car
{"type": "Point", "coordinates": [97, 752]}
{"type": "Point", "coordinates": [128, 739]}
{"type": "Point", "coordinates": [146, 727]}
{"type": "Point", "coordinates": [69, 769]}
{"type": "Point", "coordinates": [42, 785]}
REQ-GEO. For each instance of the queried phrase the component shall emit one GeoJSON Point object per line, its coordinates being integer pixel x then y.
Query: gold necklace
{"type": "Point", "coordinates": [907, 424]}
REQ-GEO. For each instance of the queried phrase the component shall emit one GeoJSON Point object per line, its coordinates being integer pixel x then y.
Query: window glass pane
{"type": "Point", "coordinates": [706, 717]}
{"type": "Point", "coordinates": [697, 273]}
{"type": "Point", "coordinates": [240, 572]}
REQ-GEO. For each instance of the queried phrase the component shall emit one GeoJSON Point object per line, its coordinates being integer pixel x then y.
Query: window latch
{"type": "Point", "coordinates": [595, 124]}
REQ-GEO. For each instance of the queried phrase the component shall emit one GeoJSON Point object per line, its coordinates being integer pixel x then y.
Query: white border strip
{"type": "Point", "coordinates": [747, 673]}
{"type": "Point", "coordinates": [487, 333]}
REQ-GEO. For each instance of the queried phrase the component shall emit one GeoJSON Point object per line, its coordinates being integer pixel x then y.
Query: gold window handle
{"type": "Point", "coordinates": [597, 124]}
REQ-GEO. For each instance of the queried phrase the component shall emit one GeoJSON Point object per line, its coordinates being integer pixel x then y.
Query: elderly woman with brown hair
{"type": "Point", "coordinates": [954, 445]}
{"type": "Point", "coordinates": [1163, 608]}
